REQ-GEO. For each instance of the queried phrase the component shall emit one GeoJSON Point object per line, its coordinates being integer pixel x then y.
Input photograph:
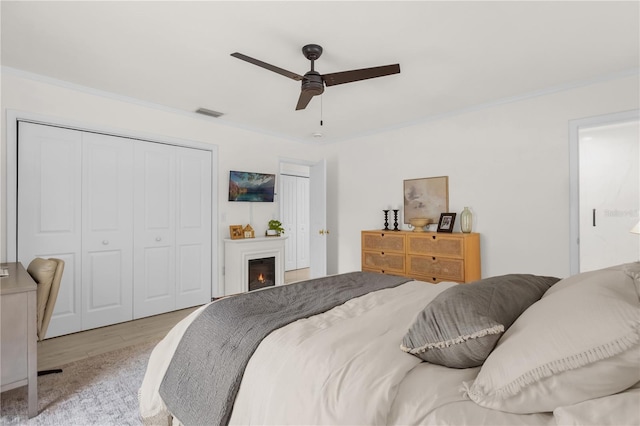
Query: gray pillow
{"type": "Point", "coordinates": [460, 327]}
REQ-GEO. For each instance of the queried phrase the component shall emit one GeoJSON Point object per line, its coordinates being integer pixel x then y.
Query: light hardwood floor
{"type": "Point", "coordinates": [296, 275]}
{"type": "Point", "coordinates": [55, 352]}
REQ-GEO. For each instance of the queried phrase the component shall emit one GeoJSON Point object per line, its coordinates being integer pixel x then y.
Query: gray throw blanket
{"type": "Point", "coordinates": [204, 375]}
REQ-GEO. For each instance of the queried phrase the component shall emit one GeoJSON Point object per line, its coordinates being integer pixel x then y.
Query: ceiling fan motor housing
{"type": "Point", "coordinates": [312, 83]}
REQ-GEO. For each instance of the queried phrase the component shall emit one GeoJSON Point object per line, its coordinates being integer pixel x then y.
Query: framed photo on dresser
{"type": "Point", "coordinates": [446, 222]}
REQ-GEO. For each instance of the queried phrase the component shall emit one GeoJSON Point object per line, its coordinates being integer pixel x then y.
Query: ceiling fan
{"type": "Point", "coordinates": [313, 82]}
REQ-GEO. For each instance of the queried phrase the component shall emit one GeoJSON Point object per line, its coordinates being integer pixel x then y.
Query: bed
{"type": "Point", "coordinates": [363, 348]}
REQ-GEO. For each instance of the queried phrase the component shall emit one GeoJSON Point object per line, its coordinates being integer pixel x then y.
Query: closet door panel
{"type": "Point", "coordinates": [193, 227]}
{"type": "Point", "coordinates": [154, 229]}
{"type": "Point", "coordinates": [288, 196]}
{"type": "Point", "coordinates": [158, 285]}
{"type": "Point", "coordinates": [302, 222]}
{"type": "Point", "coordinates": [107, 240]}
{"type": "Point", "coordinates": [49, 211]}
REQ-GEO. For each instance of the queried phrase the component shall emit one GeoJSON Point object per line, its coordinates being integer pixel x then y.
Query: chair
{"type": "Point", "coordinates": [47, 273]}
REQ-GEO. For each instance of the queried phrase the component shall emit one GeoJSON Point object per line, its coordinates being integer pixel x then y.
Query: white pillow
{"type": "Point", "coordinates": [614, 410]}
{"type": "Point", "coordinates": [580, 341]}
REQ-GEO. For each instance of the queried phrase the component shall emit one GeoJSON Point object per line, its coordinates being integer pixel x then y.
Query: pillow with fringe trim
{"type": "Point", "coordinates": [461, 326]}
{"type": "Point", "coordinates": [579, 342]}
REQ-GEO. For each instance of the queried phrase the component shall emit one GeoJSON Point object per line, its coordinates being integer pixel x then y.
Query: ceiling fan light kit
{"type": "Point", "coordinates": [313, 82]}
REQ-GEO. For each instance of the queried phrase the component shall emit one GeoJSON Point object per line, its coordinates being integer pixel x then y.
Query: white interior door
{"type": "Point", "coordinates": [193, 227]}
{"type": "Point", "coordinates": [609, 165]}
{"type": "Point", "coordinates": [49, 212]}
{"type": "Point", "coordinates": [107, 230]}
{"type": "Point", "coordinates": [318, 218]}
{"type": "Point", "coordinates": [154, 229]}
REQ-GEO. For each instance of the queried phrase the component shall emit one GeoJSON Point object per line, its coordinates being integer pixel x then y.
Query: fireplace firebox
{"type": "Point", "coordinates": [262, 273]}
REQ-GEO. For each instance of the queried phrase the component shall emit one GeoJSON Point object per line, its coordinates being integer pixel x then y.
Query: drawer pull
{"type": "Point", "coordinates": [433, 258]}
{"type": "Point", "coordinates": [434, 237]}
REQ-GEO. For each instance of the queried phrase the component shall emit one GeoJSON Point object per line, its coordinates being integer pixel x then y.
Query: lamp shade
{"type": "Point", "coordinates": [636, 229]}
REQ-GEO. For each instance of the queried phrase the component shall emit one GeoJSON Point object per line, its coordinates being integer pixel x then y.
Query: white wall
{"type": "Point", "coordinates": [237, 149]}
{"type": "Point", "coordinates": [509, 163]}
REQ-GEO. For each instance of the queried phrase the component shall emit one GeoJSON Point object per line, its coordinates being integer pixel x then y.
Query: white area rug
{"type": "Point", "coordinates": [101, 390]}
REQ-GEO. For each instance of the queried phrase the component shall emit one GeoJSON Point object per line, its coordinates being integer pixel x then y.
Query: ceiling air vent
{"type": "Point", "coordinates": [209, 112]}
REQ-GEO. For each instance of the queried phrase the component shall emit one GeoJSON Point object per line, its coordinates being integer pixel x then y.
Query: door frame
{"type": "Point", "coordinates": [11, 207]}
{"type": "Point", "coordinates": [574, 175]}
{"type": "Point", "coordinates": [322, 271]}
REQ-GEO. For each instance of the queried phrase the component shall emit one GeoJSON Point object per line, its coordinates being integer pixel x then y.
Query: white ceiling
{"type": "Point", "coordinates": [454, 56]}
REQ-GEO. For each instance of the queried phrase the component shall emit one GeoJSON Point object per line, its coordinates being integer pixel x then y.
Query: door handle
{"type": "Point", "coordinates": [594, 217]}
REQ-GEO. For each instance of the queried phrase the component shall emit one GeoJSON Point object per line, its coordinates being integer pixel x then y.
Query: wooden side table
{"type": "Point", "coordinates": [19, 345]}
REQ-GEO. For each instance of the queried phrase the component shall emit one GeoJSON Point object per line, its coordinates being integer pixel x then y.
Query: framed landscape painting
{"type": "Point", "coordinates": [426, 198]}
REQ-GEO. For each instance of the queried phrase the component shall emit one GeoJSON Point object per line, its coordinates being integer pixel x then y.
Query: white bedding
{"type": "Point", "coordinates": [345, 367]}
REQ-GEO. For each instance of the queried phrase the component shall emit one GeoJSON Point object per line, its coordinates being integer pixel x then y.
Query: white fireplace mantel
{"type": "Point", "coordinates": [238, 253]}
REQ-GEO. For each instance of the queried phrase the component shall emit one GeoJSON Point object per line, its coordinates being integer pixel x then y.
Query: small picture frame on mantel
{"type": "Point", "coordinates": [446, 222]}
{"type": "Point", "coordinates": [236, 232]}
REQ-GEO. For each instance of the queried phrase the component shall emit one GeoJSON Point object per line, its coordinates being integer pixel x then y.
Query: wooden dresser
{"type": "Point", "coordinates": [424, 256]}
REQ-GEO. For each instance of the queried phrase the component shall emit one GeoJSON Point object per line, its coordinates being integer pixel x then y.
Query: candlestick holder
{"type": "Point", "coordinates": [395, 220]}
{"type": "Point", "coordinates": [386, 220]}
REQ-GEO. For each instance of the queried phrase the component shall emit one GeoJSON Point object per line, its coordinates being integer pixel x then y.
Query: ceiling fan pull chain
{"type": "Point", "coordinates": [321, 110]}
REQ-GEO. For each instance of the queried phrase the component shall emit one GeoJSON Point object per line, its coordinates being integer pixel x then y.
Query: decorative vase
{"type": "Point", "coordinates": [466, 220]}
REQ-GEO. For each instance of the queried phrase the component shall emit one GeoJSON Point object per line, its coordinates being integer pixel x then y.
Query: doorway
{"type": "Point", "coordinates": [318, 234]}
{"type": "Point", "coordinates": [294, 215]}
{"type": "Point", "coordinates": [605, 191]}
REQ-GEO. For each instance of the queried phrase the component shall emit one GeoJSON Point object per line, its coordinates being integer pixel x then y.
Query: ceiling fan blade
{"type": "Point", "coordinates": [304, 99]}
{"type": "Point", "coordinates": [265, 65]}
{"type": "Point", "coordinates": [361, 74]}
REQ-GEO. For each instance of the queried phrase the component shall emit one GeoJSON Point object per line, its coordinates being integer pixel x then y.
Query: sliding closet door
{"type": "Point", "coordinates": [49, 211]}
{"type": "Point", "coordinates": [193, 227]}
{"type": "Point", "coordinates": [154, 229]}
{"type": "Point", "coordinates": [107, 230]}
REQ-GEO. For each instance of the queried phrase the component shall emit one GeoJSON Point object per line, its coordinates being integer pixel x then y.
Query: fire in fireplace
{"type": "Point", "coordinates": [262, 273]}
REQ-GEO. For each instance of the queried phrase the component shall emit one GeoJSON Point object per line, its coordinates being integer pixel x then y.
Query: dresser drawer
{"type": "Point", "coordinates": [436, 245]}
{"type": "Point", "coordinates": [385, 262]}
{"type": "Point", "coordinates": [383, 241]}
{"type": "Point", "coordinates": [435, 269]}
